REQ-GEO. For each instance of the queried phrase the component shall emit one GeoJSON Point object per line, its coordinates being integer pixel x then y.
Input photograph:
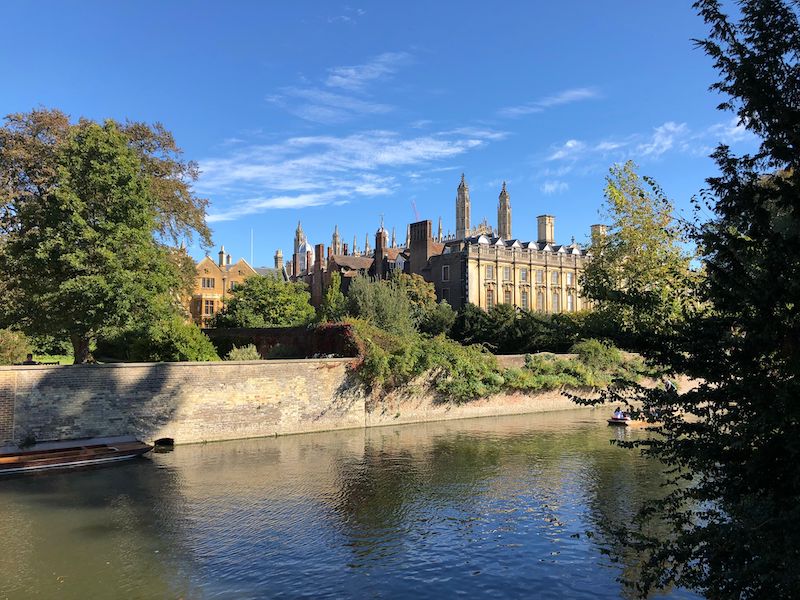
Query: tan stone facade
{"type": "Point", "coordinates": [215, 280]}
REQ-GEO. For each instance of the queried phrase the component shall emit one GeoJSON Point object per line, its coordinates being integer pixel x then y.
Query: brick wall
{"type": "Point", "coordinates": [7, 385]}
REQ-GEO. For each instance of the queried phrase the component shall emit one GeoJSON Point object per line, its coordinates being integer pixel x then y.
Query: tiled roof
{"type": "Point", "coordinates": [352, 262]}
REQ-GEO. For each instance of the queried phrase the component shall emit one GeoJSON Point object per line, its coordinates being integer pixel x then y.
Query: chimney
{"type": "Point", "coordinates": [421, 234]}
{"type": "Point", "coordinates": [546, 228]}
{"type": "Point", "coordinates": [309, 259]}
{"type": "Point", "coordinates": [221, 261]}
{"type": "Point", "coordinates": [345, 249]}
{"type": "Point", "coordinates": [599, 232]}
{"type": "Point", "coordinates": [228, 259]}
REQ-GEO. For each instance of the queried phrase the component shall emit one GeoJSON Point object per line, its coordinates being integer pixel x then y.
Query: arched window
{"type": "Point", "coordinates": [540, 301]}
{"type": "Point", "coordinates": [556, 305]}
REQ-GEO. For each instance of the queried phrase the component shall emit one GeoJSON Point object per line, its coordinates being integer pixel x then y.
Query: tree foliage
{"type": "Point", "coordinates": [81, 257]}
{"type": "Point", "coordinates": [639, 275]}
{"type": "Point", "coordinates": [732, 443]}
{"type": "Point", "coordinates": [14, 347]}
{"type": "Point", "coordinates": [266, 301]}
{"type": "Point", "coordinates": [30, 152]}
{"type": "Point", "coordinates": [334, 302]}
{"type": "Point", "coordinates": [379, 302]}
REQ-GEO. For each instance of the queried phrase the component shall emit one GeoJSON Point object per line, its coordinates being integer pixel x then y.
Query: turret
{"type": "Point", "coordinates": [278, 259]}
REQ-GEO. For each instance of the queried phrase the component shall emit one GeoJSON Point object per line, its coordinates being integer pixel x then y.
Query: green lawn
{"type": "Point", "coordinates": [62, 359]}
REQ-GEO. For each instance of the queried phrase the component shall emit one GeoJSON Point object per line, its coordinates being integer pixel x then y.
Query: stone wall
{"type": "Point", "coordinates": [196, 402]}
{"type": "Point", "coordinates": [190, 402]}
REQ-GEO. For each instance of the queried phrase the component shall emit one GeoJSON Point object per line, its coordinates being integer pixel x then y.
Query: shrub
{"type": "Point", "coordinates": [14, 347]}
{"type": "Point", "coordinates": [438, 319]}
{"type": "Point", "coordinates": [248, 352]}
{"type": "Point", "coordinates": [172, 340]}
{"type": "Point", "coordinates": [596, 354]}
{"type": "Point", "coordinates": [381, 303]}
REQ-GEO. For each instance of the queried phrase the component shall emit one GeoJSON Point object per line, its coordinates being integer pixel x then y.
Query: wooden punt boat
{"type": "Point", "coordinates": [70, 454]}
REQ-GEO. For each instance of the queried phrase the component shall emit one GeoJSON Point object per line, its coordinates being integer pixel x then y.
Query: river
{"type": "Point", "coordinates": [490, 507]}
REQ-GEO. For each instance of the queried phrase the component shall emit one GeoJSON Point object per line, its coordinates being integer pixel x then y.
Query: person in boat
{"type": "Point", "coordinates": [618, 414]}
{"type": "Point", "coordinates": [29, 360]}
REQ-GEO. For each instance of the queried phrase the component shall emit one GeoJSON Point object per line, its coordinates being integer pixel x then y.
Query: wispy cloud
{"type": "Point", "coordinates": [349, 15]}
{"type": "Point", "coordinates": [317, 170]}
{"type": "Point", "coordinates": [663, 138]}
{"type": "Point", "coordinates": [348, 100]}
{"type": "Point", "coordinates": [356, 77]}
{"type": "Point", "coordinates": [564, 97]}
{"type": "Point", "coordinates": [554, 187]}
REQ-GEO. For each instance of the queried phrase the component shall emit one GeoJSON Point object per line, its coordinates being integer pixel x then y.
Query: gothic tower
{"type": "Point", "coordinates": [336, 241]}
{"type": "Point", "coordinates": [504, 214]}
{"type": "Point", "coordinates": [462, 210]}
{"type": "Point", "coordinates": [299, 238]}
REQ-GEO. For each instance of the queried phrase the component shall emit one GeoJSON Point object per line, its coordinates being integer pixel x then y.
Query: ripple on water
{"type": "Point", "coordinates": [479, 508]}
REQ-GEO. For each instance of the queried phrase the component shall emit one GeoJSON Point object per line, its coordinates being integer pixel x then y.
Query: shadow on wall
{"type": "Point", "coordinates": [330, 339]}
{"type": "Point", "coordinates": [56, 403]}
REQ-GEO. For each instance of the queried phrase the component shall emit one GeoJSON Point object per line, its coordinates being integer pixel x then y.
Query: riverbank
{"type": "Point", "coordinates": [203, 402]}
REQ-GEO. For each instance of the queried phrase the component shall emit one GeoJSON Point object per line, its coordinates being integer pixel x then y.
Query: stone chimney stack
{"type": "Point", "coordinates": [228, 260]}
{"type": "Point", "coordinates": [421, 245]}
{"type": "Point", "coordinates": [547, 224]}
{"type": "Point", "coordinates": [221, 255]}
{"type": "Point", "coordinates": [599, 232]}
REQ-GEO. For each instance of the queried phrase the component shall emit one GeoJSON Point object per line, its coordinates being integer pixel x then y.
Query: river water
{"type": "Point", "coordinates": [490, 507]}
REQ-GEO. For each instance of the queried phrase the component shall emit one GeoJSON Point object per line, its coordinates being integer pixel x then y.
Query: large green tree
{"type": "Point", "coordinates": [732, 443]}
{"type": "Point", "coordinates": [266, 301]}
{"type": "Point", "coordinates": [639, 276]}
{"type": "Point", "coordinates": [334, 302]}
{"type": "Point", "coordinates": [80, 256]}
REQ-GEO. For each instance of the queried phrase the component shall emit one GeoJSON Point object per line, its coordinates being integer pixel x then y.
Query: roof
{"type": "Point", "coordinates": [393, 253]}
{"type": "Point", "coordinates": [352, 262]}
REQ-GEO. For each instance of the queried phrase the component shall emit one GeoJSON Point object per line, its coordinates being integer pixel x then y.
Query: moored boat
{"type": "Point", "coordinates": [70, 454]}
{"type": "Point", "coordinates": [627, 422]}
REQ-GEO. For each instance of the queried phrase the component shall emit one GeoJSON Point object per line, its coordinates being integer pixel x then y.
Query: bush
{"type": "Point", "coordinates": [14, 347]}
{"type": "Point", "coordinates": [438, 320]}
{"type": "Point", "coordinates": [172, 340]}
{"type": "Point", "coordinates": [169, 339]}
{"type": "Point", "coordinates": [384, 305]}
{"type": "Point", "coordinates": [248, 352]}
{"type": "Point", "coordinates": [596, 354]}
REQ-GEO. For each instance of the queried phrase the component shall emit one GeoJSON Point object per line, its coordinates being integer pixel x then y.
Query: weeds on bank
{"type": "Point", "coordinates": [463, 373]}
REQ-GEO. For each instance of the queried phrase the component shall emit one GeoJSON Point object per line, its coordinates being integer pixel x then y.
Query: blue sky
{"type": "Point", "coordinates": [335, 113]}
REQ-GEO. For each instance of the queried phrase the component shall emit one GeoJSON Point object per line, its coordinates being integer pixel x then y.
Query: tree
{"type": "Point", "coordinates": [732, 444]}
{"type": "Point", "coordinates": [438, 320]}
{"type": "Point", "coordinates": [384, 305]}
{"type": "Point", "coordinates": [266, 301]}
{"type": "Point", "coordinates": [80, 256]}
{"type": "Point", "coordinates": [14, 347]}
{"type": "Point", "coordinates": [30, 146]}
{"type": "Point", "coordinates": [334, 303]}
{"type": "Point", "coordinates": [639, 273]}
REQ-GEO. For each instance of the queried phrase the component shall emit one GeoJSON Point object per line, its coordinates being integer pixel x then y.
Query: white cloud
{"type": "Point", "coordinates": [729, 133]}
{"type": "Point", "coordinates": [664, 138]}
{"type": "Point", "coordinates": [554, 187]}
{"type": "Point", "coordinates": [322, 106]}
{"type": "Point", "coordinates": [317, 170]}
{"type": "Point", "coordinates": [564, 97]}
{"type": "Point", "coordinates": [356, 77]}
{"type": "Point", "coordinates": [570, 149]}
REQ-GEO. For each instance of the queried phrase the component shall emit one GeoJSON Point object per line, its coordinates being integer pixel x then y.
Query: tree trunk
{"type": "Point", "coordinates": [80, 349]}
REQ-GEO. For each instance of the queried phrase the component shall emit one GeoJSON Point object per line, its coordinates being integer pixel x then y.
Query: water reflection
{"type": "Point", "coordinates": [478, 507]}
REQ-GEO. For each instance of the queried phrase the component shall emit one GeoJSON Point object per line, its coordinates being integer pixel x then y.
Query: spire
{"type": "Point", "coordinates": [394, 238]}
{"type": "Point", "coordinates": [408, 236]}
{"type": "Point", "coordinates": [439, 234]}
{"type": "Point", "coordinates": [355, 245]}
{"type": "Point", "coordinates": [504, 214]}
{"type": "Point", "coordinates": [463, 209]}
{"type": "Point", "coordinates": [367, 248]}
{"type": "Point", "coordinates": [336, 241]}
